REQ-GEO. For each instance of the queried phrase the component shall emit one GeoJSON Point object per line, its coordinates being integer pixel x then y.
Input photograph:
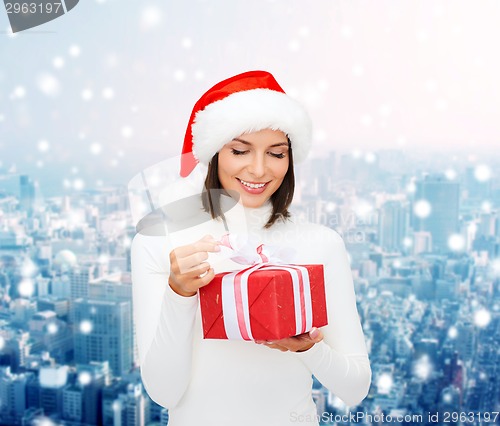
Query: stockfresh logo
{"type": "Point", "coordinates": [25, 14]}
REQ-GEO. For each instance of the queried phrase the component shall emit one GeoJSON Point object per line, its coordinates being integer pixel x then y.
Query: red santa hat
{"type": "Point", "coordinates": [245, 103]}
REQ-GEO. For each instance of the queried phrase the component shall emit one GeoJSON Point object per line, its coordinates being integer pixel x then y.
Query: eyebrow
{"type": "Point", "coordinates": [270, 146]}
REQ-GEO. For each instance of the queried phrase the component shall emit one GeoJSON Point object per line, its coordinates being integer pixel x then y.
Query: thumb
{"type": "Point", "coordinates": [315, 334]}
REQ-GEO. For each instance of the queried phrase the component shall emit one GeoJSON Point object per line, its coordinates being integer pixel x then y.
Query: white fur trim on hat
{"type": "Point", "coordinates": [250, 111]}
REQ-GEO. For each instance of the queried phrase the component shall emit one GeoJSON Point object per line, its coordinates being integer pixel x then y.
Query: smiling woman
{"type": "Point", "coordinates": [249, 133]}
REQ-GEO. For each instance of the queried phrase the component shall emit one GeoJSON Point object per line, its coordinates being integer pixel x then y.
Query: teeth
{"type": "Point", "coordinates": [252, 185]}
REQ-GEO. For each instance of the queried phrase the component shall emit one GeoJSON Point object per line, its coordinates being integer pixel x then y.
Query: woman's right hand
{"type": "Point", "coordinates": [188, 269]}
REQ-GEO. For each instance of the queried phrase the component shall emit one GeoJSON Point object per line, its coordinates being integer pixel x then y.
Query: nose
{"type": "Point", "coordinates": [257, 166]}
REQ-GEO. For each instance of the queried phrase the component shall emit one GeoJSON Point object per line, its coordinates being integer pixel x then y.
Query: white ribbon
{"type": "Point", "coordinates": [235, 306]}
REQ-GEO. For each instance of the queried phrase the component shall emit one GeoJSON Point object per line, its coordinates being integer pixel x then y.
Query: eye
{"type": "Point", "coordinates": [280, 155]}
{"type": "Point", "coordinates": [236, 152]}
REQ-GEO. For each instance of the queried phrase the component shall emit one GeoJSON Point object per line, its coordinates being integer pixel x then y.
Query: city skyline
{"type": "Point", "coordinates": [430, 315]}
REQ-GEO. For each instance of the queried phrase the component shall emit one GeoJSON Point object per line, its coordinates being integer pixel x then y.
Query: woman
{"type": "Point", "coordinates": [250, 133]}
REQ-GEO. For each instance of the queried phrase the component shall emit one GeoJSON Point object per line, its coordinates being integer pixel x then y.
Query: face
{"type": "Point", "coordinates": [254, 165]}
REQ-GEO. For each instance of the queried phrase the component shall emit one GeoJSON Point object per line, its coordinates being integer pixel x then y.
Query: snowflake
{"type": "Point", "coordinates": [482, 173]}
{"type": "Point", "coordinates": [84, 378]}
{"type": "Point", "coordinates": [108, 93]}
{"type": "Point", "coordinates": [127, 132]}
{"type": "Point", "coordinates": [422, 209]}
{"type": "Point", "coordinates": [43, 145]}
{"type": "Point", "coordinates": [452, 332]}
{"type": "Point", "coordinates": [370, 157]}
{"type": "Point", "coordinates": [293, 46]}
{"type": "Point", "coordinates": [95, 148]}
{"type": "Point", "coordinates": [87, 94]}
{"type": "Point", "coordinates": [28, 268]}
{"type": "Point", "coordinates": [26, 288]}
{"type": "Point", "coordinates": [407, 242]}
{"type": "Point", "coordinates": [450, 174]}
{"type": "Point", "coordinates": [78, 184]}
{"type": "Point", "coordinates": [482, 318]}
{"type": "Point", "coordinates": [356, 153]}
{"type": "Point", "coordinates": [150, 18]}
{"type": "Point", "coordinates": [18, 93]}
{"type": "Point", "coordinates": [187, 43]}
{"type": "Point", "coordinates": [199, 75]}
{"type": "Point", "coordinates": [486, 206]}
{"type": "Point", "coordinates": [384, 383]}
{"type": "Point", "coordinates": [74, 51]}
{"type": "Point", "coordinates": [52, 328]}
{"type": "Point", "coordinates": [423, 367]}
{"type": "Point", "coordinates": [48, 84]}
{"type": "Point", "coordinates": [456, 242]}
{"type": "Point", "coordinates": [447, 397]}
{"type": "Point", "coordinates": [86, 326]}
{"type": "Point", "coordinates": [58, 62]}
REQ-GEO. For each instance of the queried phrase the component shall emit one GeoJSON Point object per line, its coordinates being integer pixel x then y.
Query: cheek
{"type": "Point", "coordinates": [226, 166]}
{"type": "Point", "coordinates": [281, 171]}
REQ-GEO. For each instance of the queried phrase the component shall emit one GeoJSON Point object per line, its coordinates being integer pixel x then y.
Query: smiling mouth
{"type": "Point", "coordinates": [253, 185]}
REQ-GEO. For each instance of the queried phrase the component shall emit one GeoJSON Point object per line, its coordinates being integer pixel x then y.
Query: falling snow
{"type": "Point", "coordinates": [43, 145]}
{"type": "Point", "coordinates": [422, 209]}
{"type": "Point", "coordinates": [482, 173]}
{"type": "Point", "coordinates": [456, 242]}
{"type": "Point", "coordinates": [482, 318]}
{"type": "Point", "coordinates": [86, 326]}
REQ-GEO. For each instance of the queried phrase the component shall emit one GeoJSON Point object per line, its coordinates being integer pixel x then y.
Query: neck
{"type": "Point", "coordinates": [253, 217]}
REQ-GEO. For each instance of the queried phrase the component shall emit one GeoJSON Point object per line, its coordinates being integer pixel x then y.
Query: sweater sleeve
{"type": "Point", "coordinates": [164, 322]}
{"type": "Point", "coordinates": [340, 362]}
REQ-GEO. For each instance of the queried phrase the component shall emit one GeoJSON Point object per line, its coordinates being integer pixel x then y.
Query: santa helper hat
{"type": "Point", "coordinates": [245, 103]}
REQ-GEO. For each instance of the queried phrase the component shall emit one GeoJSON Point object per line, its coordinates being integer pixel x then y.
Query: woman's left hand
{"type": "Point", "coordinates": [299, 343]}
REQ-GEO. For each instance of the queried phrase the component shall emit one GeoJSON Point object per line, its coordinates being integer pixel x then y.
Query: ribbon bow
{"type": "Point", "coordinates": [247, 251]}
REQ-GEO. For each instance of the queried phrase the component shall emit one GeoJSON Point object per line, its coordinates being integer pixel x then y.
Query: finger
{"type": "Point", "coordinates": [196, 271]}
{"type": "Point", "coordinates": [199, 246]}
{"type": "Point", "coordinates": [276, 346]}
{"type": "Point", "coordinates": [205, 279]}
{"type": "Point", "coordinates": [316, 335]}
{"type": "Point", "coordinates": [289, 343]}
{"type": "Point", "coordinates": [301, 341]}
{"type": "Point", "coordinates": [191, 262]}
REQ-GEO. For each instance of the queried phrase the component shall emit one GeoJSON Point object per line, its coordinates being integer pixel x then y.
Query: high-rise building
{"type": "Point", "coordinates": [12, 395]}
{"type": "Point", "coordinates": [72, 403]}
{"type": "Point", "coordinates": [27, 196]}
{"type": "Point", "coordinates": [91, 380]}
{"type": "Point", "coordinates": [103, 331]}
{"type": "Point", "coordinates": [109, 394]}
{"type": "Point", "coordinates": [442, 195]}
{"type": "Point", "coordinates": [393, 225]}
{"type": "Point", "coordinates": [130, 408]}
{"type": "Point", "coordinates": [79, 280]}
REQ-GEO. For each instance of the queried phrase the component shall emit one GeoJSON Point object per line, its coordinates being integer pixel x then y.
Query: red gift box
{"type": "Point", "coordinates": [264, 302]}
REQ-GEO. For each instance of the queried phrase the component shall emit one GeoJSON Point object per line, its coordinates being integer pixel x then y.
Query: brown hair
{"type": "Point", "coordinates": [281, 199]}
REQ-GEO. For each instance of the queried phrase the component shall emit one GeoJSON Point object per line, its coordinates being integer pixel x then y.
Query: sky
{"type": "Point", "coordinates": [106, 90]}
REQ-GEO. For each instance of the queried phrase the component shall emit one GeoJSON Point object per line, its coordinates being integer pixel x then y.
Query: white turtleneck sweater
{"type": "Point", "coordinates": [226, 382]}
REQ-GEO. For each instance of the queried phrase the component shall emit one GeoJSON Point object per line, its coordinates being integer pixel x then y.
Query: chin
{"type": "Point", "coordinates": [252, 202]}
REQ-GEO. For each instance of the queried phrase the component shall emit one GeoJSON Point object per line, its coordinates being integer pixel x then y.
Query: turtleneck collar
{"type": "Point", "coordinates": [255, 217]}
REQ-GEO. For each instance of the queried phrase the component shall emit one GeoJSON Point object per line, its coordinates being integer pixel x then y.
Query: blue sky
{"type": "Point", "coordinates": [107, 89]}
